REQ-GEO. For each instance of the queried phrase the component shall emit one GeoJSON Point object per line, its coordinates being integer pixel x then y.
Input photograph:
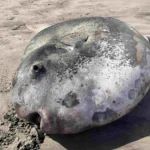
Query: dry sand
{"type": "Point", "coordinates": [20, 20]}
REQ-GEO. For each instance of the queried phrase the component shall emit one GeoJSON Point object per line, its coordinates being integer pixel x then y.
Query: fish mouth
{"type": "Point", "coordinates": [31, 116]}
{"type": "Point", "coordinates": [44, 122]}
{"type": "Point", "coordinates": [47, 122]}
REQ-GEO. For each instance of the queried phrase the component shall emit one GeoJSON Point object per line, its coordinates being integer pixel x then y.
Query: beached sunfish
{"type": "Point", "coordinates": [81, 74]}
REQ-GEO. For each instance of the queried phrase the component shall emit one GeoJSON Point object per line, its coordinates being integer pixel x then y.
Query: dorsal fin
{"type": "Point", "coordinates": [147, 37]}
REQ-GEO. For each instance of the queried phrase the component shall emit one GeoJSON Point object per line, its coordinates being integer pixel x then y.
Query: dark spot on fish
{"type": "Point", "coordinates": [141, 84]}
{"type": "Point", "coordinates": [138, 83]}
{"type": "Point", "coordinates": [132, 94]}
{"type": "Point", "coordinates": [70, 100]}
{"type": "Point", "coordinates": [142, 75]}
{"type": "Point", "coordinates": [108, 114]}
{"type": "Point", "coordinates": [82, 85]}
{"type": "Point", "coordinates": [114, 102]}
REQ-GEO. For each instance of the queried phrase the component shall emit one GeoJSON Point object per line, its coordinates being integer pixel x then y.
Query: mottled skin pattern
{"type": "Point", "coordinates": [82, 73]}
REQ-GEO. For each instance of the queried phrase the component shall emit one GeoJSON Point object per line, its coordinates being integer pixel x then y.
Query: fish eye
{"type": "Point", "coordinates": [37, 67]}
{"type": "Point", "coordinates": [38, 70]}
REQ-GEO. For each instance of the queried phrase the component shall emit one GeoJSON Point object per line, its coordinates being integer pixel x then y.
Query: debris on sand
{"type": "Point", "coordinates": [19, 134]}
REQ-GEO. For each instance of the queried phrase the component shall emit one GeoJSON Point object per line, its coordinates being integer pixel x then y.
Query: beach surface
{"type": "Point", "coordinates": [20, 20]}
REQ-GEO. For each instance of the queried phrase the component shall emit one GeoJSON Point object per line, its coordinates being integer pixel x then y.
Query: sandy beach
{"type": "Point", "coordinates": [20, 20]}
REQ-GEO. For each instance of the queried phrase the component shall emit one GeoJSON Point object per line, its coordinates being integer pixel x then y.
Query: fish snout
{"type": "Point", "coordinates": [43, 120]}
{"type": "Point", "coordinates": [32, 116]}
{"type": "Point", "coordinates": [49, 122]}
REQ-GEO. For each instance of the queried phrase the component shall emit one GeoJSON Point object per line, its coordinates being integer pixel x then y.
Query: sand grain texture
{"type": "Point", "coordinates": [20, 20]}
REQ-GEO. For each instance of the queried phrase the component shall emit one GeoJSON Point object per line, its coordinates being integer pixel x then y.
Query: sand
{"type": "Point", "coordinates": [20, 20]}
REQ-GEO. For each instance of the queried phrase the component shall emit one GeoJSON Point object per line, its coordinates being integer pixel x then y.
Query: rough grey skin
{"type": "Point", "coordinates": [82, 73]}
